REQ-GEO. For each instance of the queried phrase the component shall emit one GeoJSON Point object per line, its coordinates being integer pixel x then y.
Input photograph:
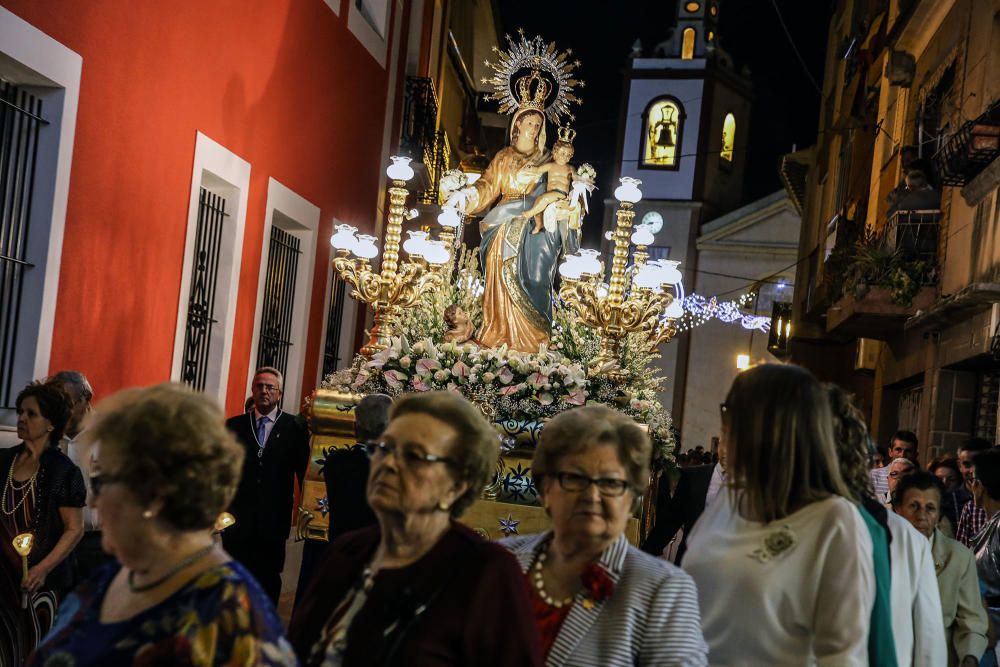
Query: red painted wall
{"type": "Point", "coordinates": [283, 84]}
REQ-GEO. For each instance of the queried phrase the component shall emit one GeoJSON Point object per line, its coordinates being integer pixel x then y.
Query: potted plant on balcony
{"type": "Point", "coordinates": [875, 264]}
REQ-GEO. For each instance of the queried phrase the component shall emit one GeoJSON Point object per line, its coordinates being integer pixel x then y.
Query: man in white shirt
{"type": "Point", "coordinates": [902, 446]}
{"type": "Point", "coordinates": [88, 555]}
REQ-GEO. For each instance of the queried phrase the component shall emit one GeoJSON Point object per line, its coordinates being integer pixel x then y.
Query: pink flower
{"type": "Point", "coordinates": [512, 389]}
{"type": "Point", "coordinates": [577, 397]}
{"type": "Point", "coordinates": [428, 366]}
{"type": "Point", "coordinates": [453, 388]}
{"type": "Point", "coordinates": [538, 379]}
{"type": "Point", "coordinates": [460, 370]}
{"type": "Point", "coordinates": [545, 398]}
{"type": "Point", "coordinates": [395, 379]}
{"type": "Point", "coordinates": [417, 384]}
{"type": "Point", "coordinates": [506, 375]}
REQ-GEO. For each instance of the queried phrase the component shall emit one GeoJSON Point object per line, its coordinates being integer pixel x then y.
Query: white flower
{"type": "Point", "coordinates": [441, 375]}
{"type": "Point", "coordinates": [488, 377]}
{"type": "Point", "coordinates": [405, 362]}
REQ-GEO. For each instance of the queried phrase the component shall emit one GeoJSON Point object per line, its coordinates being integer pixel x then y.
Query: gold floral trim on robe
{"type": "Point", "coordinates": [505, 306]}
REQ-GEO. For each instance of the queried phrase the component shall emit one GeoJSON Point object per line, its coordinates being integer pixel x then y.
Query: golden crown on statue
{"type": "Point", "coordinates": [532, 91]}
{"type": "Point", "coordinates": [549, 87]}
{"type": "Point", "coordinates": [566, 134]}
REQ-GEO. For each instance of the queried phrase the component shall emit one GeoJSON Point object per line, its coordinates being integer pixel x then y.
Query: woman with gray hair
{"type": "Point", "coordinates": [598, 600]}
{"type": "Point", "coordinates": [420, 588]}
{"type": "Point", "coordinates": [165, 468]}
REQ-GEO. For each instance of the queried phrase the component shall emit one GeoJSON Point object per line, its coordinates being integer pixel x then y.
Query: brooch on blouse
{"type": "Point", "coordinates": [776, 543]}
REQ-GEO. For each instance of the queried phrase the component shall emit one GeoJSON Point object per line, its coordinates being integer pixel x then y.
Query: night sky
{"type": "Point", "coordinates": [785, 108]}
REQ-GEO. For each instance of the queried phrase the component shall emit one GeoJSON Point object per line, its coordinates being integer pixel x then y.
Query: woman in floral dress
{"type": "Point", "coordinates": [165, 469]}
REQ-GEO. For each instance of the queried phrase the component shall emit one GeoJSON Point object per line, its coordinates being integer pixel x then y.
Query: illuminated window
{"type": "Point", "coordinates": [713, 10]}
{"type": "Point", "coordinates": [687, 44]}
{"type": "Point", "coordinates": [711, 36]}
{"type": "Point", "coordinates": [692, 6]}
{"type": "Point", "coordinates": [728, 137]}
{"type": "Point", "coordinates": [663, 123]}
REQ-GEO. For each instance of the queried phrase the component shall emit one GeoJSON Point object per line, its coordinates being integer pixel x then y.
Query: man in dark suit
{"type": "Point", "coordinates": [697, 486]}
{"type": "Point", "coordinates": [277, 449]}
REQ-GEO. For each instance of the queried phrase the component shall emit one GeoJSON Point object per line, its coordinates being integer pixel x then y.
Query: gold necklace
{"type": "Point", "coordinates": [539, 582]}
{"type": "Point", "coordinates": [25, 487]}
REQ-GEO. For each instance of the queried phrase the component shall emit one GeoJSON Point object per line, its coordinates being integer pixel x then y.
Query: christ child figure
{"type": "Point", "coordinates": [561, 174]}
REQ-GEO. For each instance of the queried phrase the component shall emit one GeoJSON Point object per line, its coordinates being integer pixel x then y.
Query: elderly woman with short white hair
{"type": "Point", "coordinates": [597, 599]}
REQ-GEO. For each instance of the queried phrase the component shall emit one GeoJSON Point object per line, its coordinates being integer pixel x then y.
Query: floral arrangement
{"type": "Point", "coordinates": [452, 180]}
{"type": "Point", "coordinates": [586, 172]}
{"type": "Point", "coordinates": [507, 383]}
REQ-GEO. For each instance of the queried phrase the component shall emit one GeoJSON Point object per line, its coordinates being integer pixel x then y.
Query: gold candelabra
{"type": "Point", "coordinates": [635, 299]}
{"type": "Point", "coordinates": [397, 285]}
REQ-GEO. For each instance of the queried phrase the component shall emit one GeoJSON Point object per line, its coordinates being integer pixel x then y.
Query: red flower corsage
{"type": "Point", "coordinates": [598, 584]}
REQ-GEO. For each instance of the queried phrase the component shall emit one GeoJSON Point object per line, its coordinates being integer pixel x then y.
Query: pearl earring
{"type": "Point", "coordinates": [443, 506]}
{"type": "Point", "coordinates": [148, 514]}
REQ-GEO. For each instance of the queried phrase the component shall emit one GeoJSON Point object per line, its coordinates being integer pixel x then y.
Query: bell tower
{"type": "Point", "coordinates": [684, 135]}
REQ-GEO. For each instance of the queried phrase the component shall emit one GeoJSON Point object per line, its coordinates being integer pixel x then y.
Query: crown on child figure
{"type": "Point", "coordinates": [566, 134]}
{"type": "Point", "coordinates": [533, 90]}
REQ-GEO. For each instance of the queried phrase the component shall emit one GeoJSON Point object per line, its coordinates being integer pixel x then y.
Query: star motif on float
{"type": "Point", "coordinates": [508, 526]}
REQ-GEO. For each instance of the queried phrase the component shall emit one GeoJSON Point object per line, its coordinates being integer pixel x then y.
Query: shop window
{"type": "Point", "coordinates": [692, 7]}
{"type": "Point", "coordinates": [663, 123]}
{"type": "Point", "coordinates": [728, 137]}
{"type": "Point", "coordinates": [687, 43]}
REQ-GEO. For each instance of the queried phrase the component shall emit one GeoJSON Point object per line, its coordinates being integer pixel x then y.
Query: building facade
{"type": "Point", "coordinates": [897, 295]}
{"type": "Point", "coordinates": [172, 174]}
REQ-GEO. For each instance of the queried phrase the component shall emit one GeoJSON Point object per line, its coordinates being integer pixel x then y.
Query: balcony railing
{"type": "Point", "coordinates": [914, 234]}
{"type": "Point", "coordinates": [420, 112]}
{"type": "Point", "coordinates": [971, 149]}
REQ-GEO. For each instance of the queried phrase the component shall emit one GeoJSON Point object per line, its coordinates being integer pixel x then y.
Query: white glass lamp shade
{"type": "Point", "coordinates": [571, 268]}
{"type": "Point", "coordinates": [642, 236]}
{"type": "Point", "coordinates": [628, 191]}
{"type": "Point", "coordinates": [669, 274]}
{"type": "Point", "coordinates": [366, 248]}
{"type": "Point", "coordinates": [449, 217]}
{"type": "Point", "coordinates": [675, 310]}
{"type": "Point", "coordinates": [344, 238]}
{"type": "Point", "coordinates": [602, 290]}
{"type": "Point", "coordinates": [400, 169]}
{"type": "Point", "coordinates": [647, 277]}
{"type": "Point", "coordinates": [590, 264]}
{"type": "Point", "coordinates": [416, 244]}
{"type": "Point", "coordinates": [437, 252]}
{"type": "Point", "coordinates": [472, 176]}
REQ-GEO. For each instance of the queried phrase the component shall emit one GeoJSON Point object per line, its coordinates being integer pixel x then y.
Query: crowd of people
{"type": "Point", "coordinates": [794, 544]}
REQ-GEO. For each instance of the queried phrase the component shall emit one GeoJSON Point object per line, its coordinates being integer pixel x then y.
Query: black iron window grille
{"type": "Point", "coordinates": [275, 341]}
{"type": "Point", "coordinates": [334, 322]}
{"type": "Point", "coordinates": [204, 283]}
{"type": "Point", "coordinates": [420, 110]}
{"type": "Point", "coordinates": [20, 121]}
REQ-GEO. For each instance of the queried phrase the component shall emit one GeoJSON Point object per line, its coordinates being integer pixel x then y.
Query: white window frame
{"type": "Point", "coordinates": [222, 171]}
{"type": "Point", "coordinates": [300, 218]}
{"type": "Point", "coordinates": [28, 47]}
{"type": "Point", "coordinates": [376, 44]}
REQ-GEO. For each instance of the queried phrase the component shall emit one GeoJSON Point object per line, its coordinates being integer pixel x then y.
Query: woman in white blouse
{"type": "Point", "coordinates": [782, 560]}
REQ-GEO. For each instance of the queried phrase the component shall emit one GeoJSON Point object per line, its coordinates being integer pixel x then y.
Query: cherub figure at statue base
{"type": "Point", "coordinates": [460, 329]}
{"type": "Point", "coordinates": [560, 178]}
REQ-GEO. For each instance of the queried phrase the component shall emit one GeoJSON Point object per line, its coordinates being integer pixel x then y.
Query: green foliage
{"type": "Point", "coordinates": [873, 263]}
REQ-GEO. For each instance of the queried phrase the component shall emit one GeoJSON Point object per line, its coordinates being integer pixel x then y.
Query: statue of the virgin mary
{"type": "Point", "coordinates": [519, 267]}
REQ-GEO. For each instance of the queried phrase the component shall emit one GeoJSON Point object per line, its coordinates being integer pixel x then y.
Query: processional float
{"type": "Point", "coordinates": [519, 349]}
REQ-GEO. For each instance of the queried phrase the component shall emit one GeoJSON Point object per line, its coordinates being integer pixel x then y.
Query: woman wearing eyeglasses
{"type": "Point", "coordinates": [597, 600]}
{"type": "Point", "coordinates": [165, 468]}
{"type": "Point", "coordinates": [420, 588]}
{"type": "Point", "coordinates": [42, 495]}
